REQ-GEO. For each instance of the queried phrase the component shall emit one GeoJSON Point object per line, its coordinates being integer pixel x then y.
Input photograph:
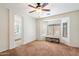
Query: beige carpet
{"type": "Point", "coordinates": [42, 48]}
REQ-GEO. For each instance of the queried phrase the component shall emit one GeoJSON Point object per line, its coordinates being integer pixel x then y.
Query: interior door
{"type": "Point", "coordinates": [4, 29]}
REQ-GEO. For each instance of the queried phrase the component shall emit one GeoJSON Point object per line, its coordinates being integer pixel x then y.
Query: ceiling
{"type": "Point", "coordinates": [56, 8]}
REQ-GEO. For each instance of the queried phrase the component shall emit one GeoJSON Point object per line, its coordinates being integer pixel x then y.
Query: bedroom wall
{"type": "Point", "coordinates": [12, 35]}
{"type": "Point", "coordinates": [29, 29]}
{"type": "Point", "coordinates": [11, 29]}
{"type": "Point", "coordinates": [4, 33]}
{"type": "Point", "coordinates": [7, 19]}
{"type": "Point", "coordinates": [42, 26]}
{"type": "Point", "coordinates": [41, 29]}
{"type": "Point", "coordinates": [74, 26]}
{"type": "Point", "coordinates": [75, 29]}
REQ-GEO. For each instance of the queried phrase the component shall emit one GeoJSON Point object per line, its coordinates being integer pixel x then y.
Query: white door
{"type": "Point", "coordinates": [4, 29]}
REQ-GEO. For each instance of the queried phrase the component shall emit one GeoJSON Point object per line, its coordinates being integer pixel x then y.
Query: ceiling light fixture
{"type": "Point", "coordinates": [39, 10]}
{"type": "Point", "coordinates": [39, 7]}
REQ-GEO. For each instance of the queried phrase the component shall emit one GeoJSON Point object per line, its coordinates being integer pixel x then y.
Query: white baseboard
{"type": "Point", "coordinates": [28, 41]}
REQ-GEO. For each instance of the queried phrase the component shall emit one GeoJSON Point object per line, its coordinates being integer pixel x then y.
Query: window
{"type": "Point", "coordinates": [54, 30]}
{"type": "Point", "coordinates": [64, 29]}
{"type": "Point", "coordinates": [18, 25]}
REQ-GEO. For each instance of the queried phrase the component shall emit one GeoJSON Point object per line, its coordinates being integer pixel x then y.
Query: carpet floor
{"type": "Point", "coordinates": [42, 48]}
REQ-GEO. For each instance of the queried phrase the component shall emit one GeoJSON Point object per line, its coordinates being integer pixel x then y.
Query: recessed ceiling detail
{"type": "Point", "coordinates": [55, 8]}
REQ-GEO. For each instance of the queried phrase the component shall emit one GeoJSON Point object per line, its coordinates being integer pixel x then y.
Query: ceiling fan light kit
{"type": "Point", "coordinates": [38, 10]}
{"type": "Point", "coordinates": [39, 7]}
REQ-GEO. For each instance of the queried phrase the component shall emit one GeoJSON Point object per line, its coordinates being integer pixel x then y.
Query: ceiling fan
{"type": "Point", "coordinates": [39, 7]}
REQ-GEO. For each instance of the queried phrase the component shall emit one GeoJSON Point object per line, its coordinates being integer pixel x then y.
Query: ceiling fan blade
{"type": "Point", "coordinates": [45, 4]}
{"type": "Point", "coordinates": [31, 6]}
{"type": "Point", "coordinates": [46, 9]}
{"type": "Point", "coordinates": [32, 11]}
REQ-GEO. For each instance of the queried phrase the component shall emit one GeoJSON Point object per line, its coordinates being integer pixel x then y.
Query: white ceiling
{"type": "Point", "coordinates": [56, 8]}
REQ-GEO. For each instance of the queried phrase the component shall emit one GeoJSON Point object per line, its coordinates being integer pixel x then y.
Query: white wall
{"type": "Point", "coordinates": [11, 29]}
{"type": "Point", "coordinates": [12, 35]}
{"type": "Point", "coordinates": [54, 21]}
{"type": "Point", "coordinates": [7, 39]}
{"type": "Point", "coordinates": [42, 27]}
{"type": "Point", "coordinates": [7, 30]}
{"type": "Point", "coordinates": [18, 19]}
{"type": "Point", "coordinates": [29, 29]}
{"type": "Point", "coordinates": [37, 29]}
{"type": "Point", "coordinates": [4, 27]}
{"type": "Point", "coordinates": [65, 40]}
{"type": "Point", "coordinates": [74, 26]}
{"type": "Point", "coordinates": [74, 29]}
